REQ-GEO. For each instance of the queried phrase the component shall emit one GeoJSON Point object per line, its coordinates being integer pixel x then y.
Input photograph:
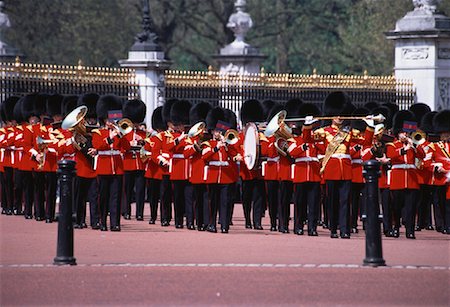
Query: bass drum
{"type": "Point", "coordinates": [251, 146]}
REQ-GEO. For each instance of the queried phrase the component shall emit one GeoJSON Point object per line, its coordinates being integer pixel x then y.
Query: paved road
{"type": "Point", "coordinates": [151, 265]}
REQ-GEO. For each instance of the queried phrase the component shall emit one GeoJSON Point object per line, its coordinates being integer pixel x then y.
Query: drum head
{"type": "Point", "coordinates": [251, 145]}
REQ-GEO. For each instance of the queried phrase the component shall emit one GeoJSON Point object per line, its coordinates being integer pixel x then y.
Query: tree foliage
{"type": "Point", "coordinates": [334, 36]}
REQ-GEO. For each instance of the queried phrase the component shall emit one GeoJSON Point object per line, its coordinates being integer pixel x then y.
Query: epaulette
{"type": "Point", "coordinates": [30, 127]}
{"type": "Point", "coordinates": [390, 144]}
{"type": "Point", "coordinates": [168, 134]}
{"type": "Point", "coordinates": [96, 131]}
{"type": "Point", "coordinates": [43, 128]}
{"type": "Point", "coordinates": [263, 138]}
{"type": "Point", "coordinates": [159, 136]}
{"type": "Point", "coordinates": [206, 143]}
{"type": "Point", "coordinates": [20, 127]}
{"type": "Point", "coordinates": [189, 141]}
{"type": "Point", "coordinates": [431, 145]}
{"type": "Point", "coordinates": [2, 130]}
{"type": "Point", "coordinates": [291, 140]}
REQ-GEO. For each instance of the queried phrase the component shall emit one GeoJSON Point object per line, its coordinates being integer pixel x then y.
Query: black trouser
{"type": "Point", "coordinates": [386, 207]}
{"type": "Point", "coordinates": [166, 199]}
{"type": "Point", "coordinates": [189, 209]}
{"type": "Point", "coordinates": [179, 200]}
{"type": "Point", "coordinates": [3, 192]}
{"type": "Point", "coordinates": [218, 200]}
{"type": "Point", "coordinates": [23, 189]}
{"type": "Point", "coordinates": [200, 197]}
{"type": "Point", "coordinates": [357, 190]}
{"type": "Point", "coordinates": [153, 188]}
{"type": "Point", "coordinates": [424, 206]}
{"type": "Point", "coordinates": [286, 188]}
{"type": "Point", "coordinates": [134, 179]}
{"type": "Point", "coordinates": [253, 192]}
{"type": "Point", "coordinates": [406, 198]}
{"type": "Point", "coordinates": [50, 194]}
{"type": "Point", "coordinates": [324, 205]}
{"type": "Point", "coordinates": [87, 191]}
{"type": "Point", "coordinates": [8, 188]}
{"type": "Point", "coordinates": [273, 200]}
{"type": "Point", "coordinates": [39, 194]}
{"type": "Point", "coordinates": [110, 196]}
{"type": "Point", "coordinates": [439, 206]}
{"type": "Point", "coordinates": [447, 215]}
{"type": "Point", "coordinates": [307, 195]}
{"type": "Point", "coordinates": [338, 193]}
{"type": "Point", "coordinates": [233, 194]}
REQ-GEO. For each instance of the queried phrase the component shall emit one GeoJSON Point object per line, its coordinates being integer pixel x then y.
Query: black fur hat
{"type": "Point", "coordinates": [17, 111]}
{"type": "Point", "coordinates": [157, 120]}
{"type": "Point", "coordinates": [230, 117]}
{"type": "Point", "coordinates": [400, 118]}
{"type": "Point", "coordinates": [386, 113]}
{"type": "Point", "coordinates": [166, 109]}
{"type": "Point", "coordinates": [251, 111]}
{"type": "Point", "coordinates": [28, 106]}
{"type": "Point", "coordinates": [134, 110]}
{"type": "Point", "coordinates": [441, 121]}
{"type": "Point", "coordinates": [69, 103]}
{"type": "Point", "coordinates": [371, 105]}
{"type": "Point", "coordinates": [54, 105]}
{"type": "Point", "coordinates": [393, 108]}
{"type": "Point", "coordinates": [179, 112]}
{"type": "Point", "coordinates": [107, 103]}
{"type": "Point", "coordinates": [267, 106]}
{"type": "Point", "coordinates": [426, 123]}
{"type": "Point", "coordinates": [214, 115]}
{"type": "Point", "coordinates": [335, 103]}
{"type": "Point", "coordinates": [41, 104]}
{"type": "Point", "coordinates": [308, 109]}
{"type": "Point", "coordinates": [359, 124]}
{"type": "Point", "coordinates": [419, 110]}
{"type": "Point", "coordinates": [291, 106]}
{"type": "Point", "coordinates": [90, 101]}
{"type": "Point", "coordinates": [198, 112]}
{"type": "Point", "coordinates": [275, 109]}
{"type": "Point", "coordinates": [7, 108]}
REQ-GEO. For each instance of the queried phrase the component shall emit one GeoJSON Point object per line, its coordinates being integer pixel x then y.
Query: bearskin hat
{"type": "Point", "coordinates": [426, 123]}
{"type": "Point", "coordinates": [400, 118]}
{"type": "Point", "coordinates": [309, 109]}
{"type": "Point", "coordinates": [267, 105]}
{"type": "Point", "coordinates": [41, 104]}
{"type": "Point", "coordinates": [230, 117]}
{"type": "Point", "coordinates": [166, 109]}
{"type": "Point", "coordinates": [7, 108]}
{"type": "Point", "coordinates": [336, 103]}
{"type": "Point", "coordinates": [251, 111]}
{"type": "Point", "coordinates": [107, 103]}
{"type": "Point", "coordinates": [69, 103]}
{"type": "Point", "coordinates": [441, 121]}
{"type": "Point", "coordinates": [419, 110]}
{"type": "Point", "coordinates": [371, 105]}
{"type": "Point", "coordinates": [90, 101]}
{"type": "Point", "coordinates": [291, 106]}
{"type": "Point", "coordinates": [386, 113]}
{"type": "Point", "coordinates": [214, 115]}
{"type": "Point", "coordinates": [28, 106]}
{"type": "Point", "coordinates": [179, 112]}
{"type": "Point", "coordinates": [17, 111]}
{"type": "Point", "coordinates": [359, 124]}
{"type": "Point", "coordinates": [274, 111]}
{"type": "Point", "coordinates": [393, 108]}
{"type": "Point", "coordinates": [54, 104]}
{"type": "Point", "coordinates": [134, 110]}
{"type": "Point", "coordinates": [198, 112]}
{"type": "Point", "coordinates": [157, 120]}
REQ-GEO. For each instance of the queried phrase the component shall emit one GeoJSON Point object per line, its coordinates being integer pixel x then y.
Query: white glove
{"type": "Point", "coordinates": [369, 121]}
{"type": "Point", "coordinates": [309, 120]}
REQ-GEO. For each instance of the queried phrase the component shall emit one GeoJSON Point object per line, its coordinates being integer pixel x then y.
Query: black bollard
{"type": "Point", "coordinates": [374, 252]}
{"type": "Point", "coordinates": [64, 249]}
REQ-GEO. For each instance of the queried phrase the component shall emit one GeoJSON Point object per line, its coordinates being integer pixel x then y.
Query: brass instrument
{"type": "Point", "coordinates": [196, 129]}
{"type": "Point", "coordinates": [42, 145]}
{"type": "Point", "coordinates": [376, 118]}
{"type": "Point", "coordinates": [418, 137]}
{"type": "Point", "coordinates": [337, 140]}
{"type": "Point", "coordinates": [231, 137]}
{"type": "Point", "coordinates": [280, 130]}
{"type": "Point", "coordinates": [144, 154]}
{"type": "Point", "coordinates": [123, 126]}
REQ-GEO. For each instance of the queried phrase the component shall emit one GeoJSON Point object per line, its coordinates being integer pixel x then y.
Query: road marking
{"type": "Point", "coordinates": [233, 265]}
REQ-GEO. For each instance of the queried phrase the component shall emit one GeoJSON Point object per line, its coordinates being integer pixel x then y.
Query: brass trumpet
{"type": "Point", "coordinates": [418, 137]}
{"type": "Point", "coordinates": [231, 137]}
{"type": "Point", "coordinates": [42, 145]}
{"type": "Point", "coordinates": [196, 129]}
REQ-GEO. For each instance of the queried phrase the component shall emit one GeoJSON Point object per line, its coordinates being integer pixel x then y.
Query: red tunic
{"type": "Point", "coordinates": [404, 172]}
{"type": "Point", "coordinates": [131, 158]}
{"type": "Point", "coordinates": [270, 167]}
{"type": "Point", "coordinates": [179, 168]}
{"type": "Point", "coordinates": [109, 160]}
{"type": "Point", "coordinates": [152, 169]}
{"type": "Point", "coordinates": [196, 163]}
{"type": "Point", "coordinates": [307, 166]}
{"type": "Point", "coordinates": [218, 167]}
{"type": "Point", "coordinates": [83, 166]}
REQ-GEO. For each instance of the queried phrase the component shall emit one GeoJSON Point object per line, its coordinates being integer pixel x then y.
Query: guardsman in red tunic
{"type": "Point", "coordinates": [404, 180]}
{"type": "Point", "coordinates": [133, 166]}
{"type": "Point", "coordinates": [7, 135]}
{"type": "Point", "coordinates": [305, 175]}
{"type": "Point", "coordinates": [441, 168]}
{"type": "Point", "coordinates": [179, 166]}
{"type": "Point", "coordinates": [253, 189]}
{"type": "Point", "coordinates": [193, 152]}
{"type": "Point", "coordinates": [217, 155]}
{"type": "Point", "coordinates": [109, 144]}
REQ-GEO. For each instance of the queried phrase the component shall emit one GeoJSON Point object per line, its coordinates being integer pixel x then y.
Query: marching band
{"type": "Point", "coordinates": [194, 158]}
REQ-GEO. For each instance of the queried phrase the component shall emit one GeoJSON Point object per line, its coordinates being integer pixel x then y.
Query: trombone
{"type": "Point", "coordinates": [376, 118]}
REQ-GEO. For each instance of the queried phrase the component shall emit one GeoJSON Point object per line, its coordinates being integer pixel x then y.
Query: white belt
{"type": "Point", "coordinates": [109, 153]}
{"type": "Point", "coordinates": [68, 155]}
{"type": "Point", "coordinates": [276, 159]}
{"type": "Point", "coordinates": [341, 156]}
{"type": "Point", "coordinates": [357, 161]}
{"type": "Point", "coordinates": [178, 156]}
{"type": "Point", "coordinates": [218, 163]}
{"type": "Point", "coordinates": [403, 166]}
{"type": "Point", "coordinates": [165, 155]}
{"type": "Point", "coordinates": [307, 159]}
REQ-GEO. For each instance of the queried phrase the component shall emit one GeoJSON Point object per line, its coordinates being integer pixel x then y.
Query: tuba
{"type": "Point", "coordinates": [280, 130]}
{"type": "Point", "coordinates": [231, 137]}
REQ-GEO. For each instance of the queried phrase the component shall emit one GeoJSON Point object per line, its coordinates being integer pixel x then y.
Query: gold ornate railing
{"type": "Point", "coordinates": [22, 78]}
{"type": "Point", "coordinates": [221, 88]}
